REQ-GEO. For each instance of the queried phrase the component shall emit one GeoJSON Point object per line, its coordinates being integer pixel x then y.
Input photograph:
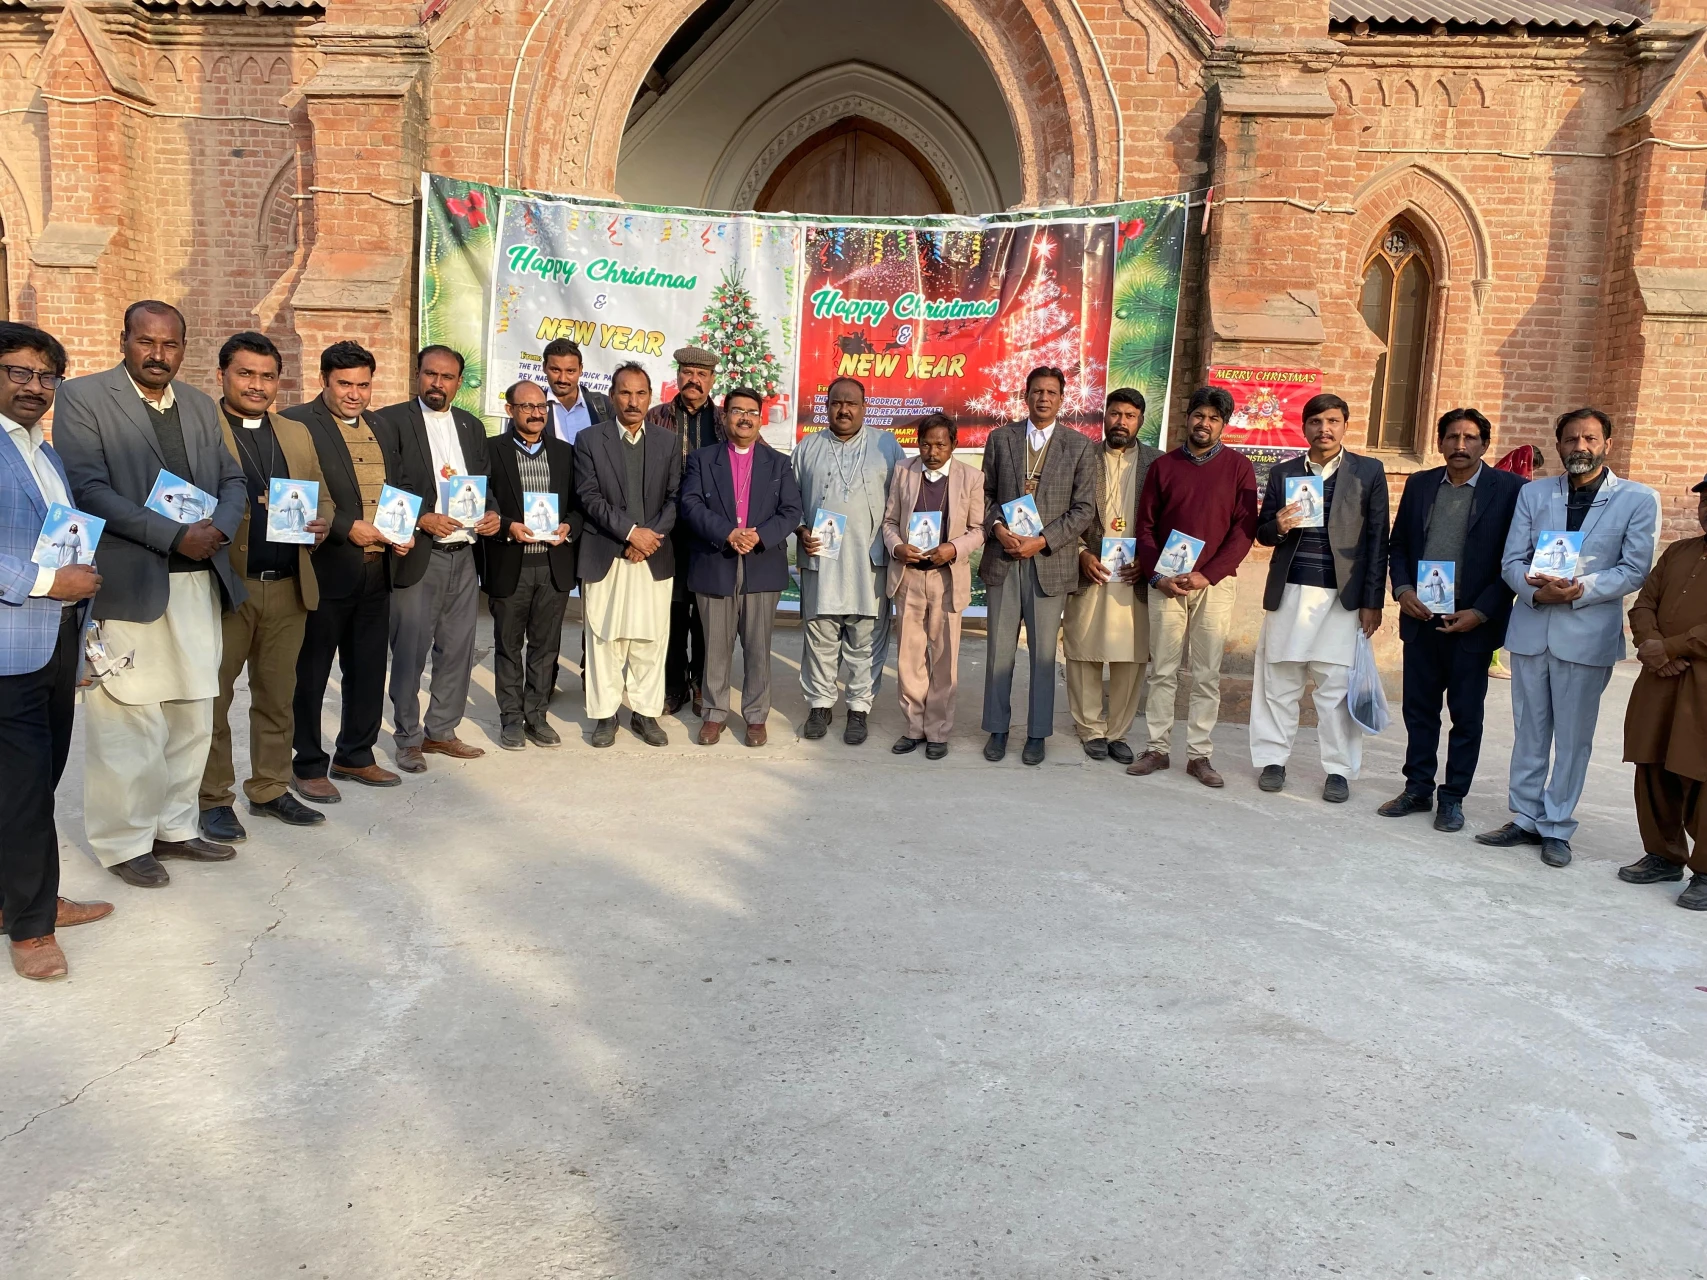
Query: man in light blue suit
{"type": "Point", "coordinates": [41, 627]}
{"type": "Point", "coordinates": [1566, 634]}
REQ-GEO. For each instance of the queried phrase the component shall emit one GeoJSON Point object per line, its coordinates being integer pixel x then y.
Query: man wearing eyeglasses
{"type": "Point", "coordinates": [42, 610]}
{"type": "Point", "coordinates": [528, 575]}
{"type": "Point", "coordinates": [148, 731]}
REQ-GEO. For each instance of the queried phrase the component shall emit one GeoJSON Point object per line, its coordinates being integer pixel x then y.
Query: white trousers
{"type": "Point", "coordinates": [616, 667]}
{"type": "Point", "coordinates": [1275, 694]}
{"type": "Point", "coordinates": [142, 772]}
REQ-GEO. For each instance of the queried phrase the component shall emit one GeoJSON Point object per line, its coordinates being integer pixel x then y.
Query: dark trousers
{"type": "Point", "coordinates": [1669, 808]}
{"type": "Point", "coordinates": [36, 711]}
{"type": "Point", "coordinates": [1441, 667]}
{"type": "Point", "coordinates": [684, 661]}
{"type": "Point", "coordinates": [527, 634]}
{"type": "Point", "coordinates": [356, 629]}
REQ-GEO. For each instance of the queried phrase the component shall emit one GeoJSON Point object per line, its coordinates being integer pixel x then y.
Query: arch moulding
{"type": "Point", "coordinates": [1441, 207]}
{"type": "Point", "coordinates": [584, 65]}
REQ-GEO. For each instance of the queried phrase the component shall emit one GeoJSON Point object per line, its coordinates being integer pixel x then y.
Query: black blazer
{"type": "Point", "coordinates": [411, 428]}
{"type": "Point", "coordinates": [504, 554]}
{"type": "Point", "coordinates": [599, 471]}
{"type": "Point", "coordinates": [337, 560]}
{"type": "Point", "coordinates": [774, 510]}
{"type": "Point", "coordinates": [1357, 530]}
{"type": "Point", "coordinates": [1480, 585]}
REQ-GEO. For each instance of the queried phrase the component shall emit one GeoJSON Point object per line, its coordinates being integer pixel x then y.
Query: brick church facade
{"type": "Point", "coordinates": [1491, 202]}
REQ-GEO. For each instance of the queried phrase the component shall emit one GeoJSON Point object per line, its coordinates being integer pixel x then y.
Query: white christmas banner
{"type": "Point", "coordinates": [634, 285]}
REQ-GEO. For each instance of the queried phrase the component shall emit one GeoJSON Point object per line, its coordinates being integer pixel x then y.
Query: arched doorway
{"type": "Point", "coordinates": [855, 167]}
{"type": "Point", "coordinates": [1396, 303]}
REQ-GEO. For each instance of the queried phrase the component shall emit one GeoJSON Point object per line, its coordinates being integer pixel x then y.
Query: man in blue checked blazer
{"type": "Point", "coordinates": [42, 611]}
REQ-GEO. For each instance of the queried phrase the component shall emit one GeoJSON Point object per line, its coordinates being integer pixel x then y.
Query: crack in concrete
{"type": "Point", "coordinates": [226, 992]}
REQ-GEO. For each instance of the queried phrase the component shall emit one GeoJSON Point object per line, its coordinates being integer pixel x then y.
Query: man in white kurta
{"type": "Point", "coordinates": [1107, 621]}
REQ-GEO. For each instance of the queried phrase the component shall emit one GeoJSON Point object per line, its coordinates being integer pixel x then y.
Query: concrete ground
{"type": "Point", "coordinates": [810, 1011]}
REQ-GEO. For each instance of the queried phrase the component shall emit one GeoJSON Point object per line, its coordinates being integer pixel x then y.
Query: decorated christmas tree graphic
{"type": "Point", "coordinates": [731, 327]}
{"type": "Point", "coordinates": [1039, 330]}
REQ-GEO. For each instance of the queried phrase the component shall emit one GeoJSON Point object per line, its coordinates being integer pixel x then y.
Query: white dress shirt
{"type": "Point", "coordinates": [29, 443]}
{"type": "Point", "coordinates": [1037, 437]}
{"type": "Point", "coordinates": [448, 461]}
{"type": "Point", "coordinates": [167, 399]}
{"type": "Point", "coordinates": [938, 474]}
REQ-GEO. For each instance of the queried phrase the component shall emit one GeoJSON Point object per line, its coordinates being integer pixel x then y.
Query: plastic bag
{"type": "Point", "coordinates": [1364, 696]}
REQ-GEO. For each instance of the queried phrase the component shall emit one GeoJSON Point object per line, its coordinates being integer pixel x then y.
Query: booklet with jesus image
{"type": "Point", "coordinates": [291, 504]}
{"type": "Point", "coordinates": [463, 499]}
{"type": "Point", "coordinates": [1179, 554]}
{"type": "Point", "coordinates": [1117, 553]}
{"type": "Point", "coordinates": [68, 537]}
{"type": "Point", "coordinates": [828, 527]}
{"type": "Point", "coordinates": [1021, 517]}
{"type": "Point", "coordinates": [924, 530]}
{"type": "Point", "coordinates": [1558, 554]}
{"type": "Point", "coordinates": [540, 515]}
{"type": "Point", "coordinates": [398, 511]}
{"type": "Point", "coordinates": [1437, 585]}
{"type": "Point", "coordinates": [177, 499]}
{"type": "Point", "coordinates": [1305, 492]}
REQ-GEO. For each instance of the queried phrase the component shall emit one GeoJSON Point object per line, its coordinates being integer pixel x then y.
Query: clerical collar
{"type": "Point", "coordinates": [253, 424]}
{"type": "Point", "coordinates": [738, 449]}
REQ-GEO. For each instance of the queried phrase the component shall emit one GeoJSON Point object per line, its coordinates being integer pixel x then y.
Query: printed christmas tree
{"type": "Point", "coordinates": [732, 328]}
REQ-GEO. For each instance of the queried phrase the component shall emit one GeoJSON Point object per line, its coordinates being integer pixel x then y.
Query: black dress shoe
{"type": "Point", "coordinates": [1096, 748]}
{"type": "Point", "coordinates": [1033, 753]}
{"type": "Point", "coordinates": [220, 823]}
{"type": "Point", "coordinates": [1404, 804]}
{"type": "Point", "coordinates": [817, 722]}
{"type": "Point", "coordinates": [1555, 852]}
{"type": "Point", "coordinates": [1651, 869]}
{"type": "Point", "coordinates": [543, 735]}
{"type": "Point", "coordinates": [1509, 835]}
{"type": "Point", "coordinates": [1694, 896]}
{"type": "Point", "coordinates": [996, 747]}
{"type": "Point", "coordinates": [604, 732]}
{"type": "Point", "coordinates": [1120, 753]}
{"type": "Point", "coordinates": [648, 730]}
{"type": "Point", "coordinates": [674, 702]}
{"type": "Point", "coordinates": [1449, 816]}
{"type": "Point", "coordinates": [854, 732]}
{"type": "Point", "coordinates": [1336, 790]}
{"type": "Point", "coordinates": [904, 744]}
{"type": "Point", "coordinates": [935, 750]}
{"type": "Point", "coordinates": [511, 738]}
{"type": "Point", "coordinates": [144, 871]}
{"type": "Point", "coordinates": [289, 810]}
{"type": "Point", "coordinates": [1272, 777]}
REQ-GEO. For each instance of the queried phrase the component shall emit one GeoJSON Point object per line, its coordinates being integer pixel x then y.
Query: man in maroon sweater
{"type": "Point", "coordinates": [1207, 492]}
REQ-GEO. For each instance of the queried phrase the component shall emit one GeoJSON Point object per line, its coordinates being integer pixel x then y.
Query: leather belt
{"type": "Point", "coordinates": [272, 575]}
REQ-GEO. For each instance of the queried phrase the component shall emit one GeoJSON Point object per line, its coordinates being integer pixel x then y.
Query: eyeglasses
{"type": "Point", "coordinates": [741, 413]}
{"type": "Point", "coordinates": [531, 410]}
{"type": "Point", "coordinates": [22, 374]}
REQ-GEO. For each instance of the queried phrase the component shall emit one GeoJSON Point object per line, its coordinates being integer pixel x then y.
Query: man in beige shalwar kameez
{"type": "Point", "coordinates": [1108, 619]}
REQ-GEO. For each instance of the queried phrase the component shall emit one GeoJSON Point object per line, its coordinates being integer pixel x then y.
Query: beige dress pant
{"type": "Point", "coordinates": [927, 659]}
{"type": "Point", "coordinates": [1085, 698]}
{"type": "Point", "coordinates": [1275, 694]}
{"type": "Point", "coordinates": [626, 617]}
{"type": "Point", "coordinates": [1192, 630]}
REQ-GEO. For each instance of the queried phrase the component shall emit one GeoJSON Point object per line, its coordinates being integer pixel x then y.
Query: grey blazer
{"type": "Point", "coordinates": [1066, 500]}
{"type": "Point", "coordinates": [112, 458]}
{"type": "Point", "coordinates": [1620, 536]}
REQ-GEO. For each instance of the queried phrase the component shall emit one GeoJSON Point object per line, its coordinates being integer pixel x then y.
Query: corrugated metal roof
{"type": "Point", "coordinates": [1498, 13]}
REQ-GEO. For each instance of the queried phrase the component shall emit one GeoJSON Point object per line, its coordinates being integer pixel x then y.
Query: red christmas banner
{"type": "Point", "coordinates": [952, 321]}
{"type": "Point", "coordinates": [1268, 412]}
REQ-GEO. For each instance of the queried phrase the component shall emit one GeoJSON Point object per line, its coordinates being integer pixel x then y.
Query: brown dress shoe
{"type": "Point", "coordinates": [1148, 763]}
{"type": "Point", "coordinates": [1205, 773]}
{"type": "Point", "coordinates": [197, 850]}
{"type": "Point", "coordinates": [319, 790]}
{"type": "Point", "coordinates": [68, 913]}
{"type": "Point", "coordinates": [371, 775]}
{"type": "Point", "coordinates": [39, 959]}
{"type": "Point", "coordinates": [454, 747]}
{"type": "Point", "coordinates": [710, 732]}
{"type": "Point", "coordinates": [756, 735]}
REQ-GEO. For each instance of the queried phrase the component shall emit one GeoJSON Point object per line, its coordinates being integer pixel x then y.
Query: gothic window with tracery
{"type": "Point", "coordinates": [1397, 280]}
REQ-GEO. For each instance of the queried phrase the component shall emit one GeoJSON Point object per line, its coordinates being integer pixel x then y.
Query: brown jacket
{"type": "Point", "coordinates": [963, 524]}
{"type": "Point", "coordinates": [304, 463]}
{"type": "Point", "coordinates": [1665, 722]}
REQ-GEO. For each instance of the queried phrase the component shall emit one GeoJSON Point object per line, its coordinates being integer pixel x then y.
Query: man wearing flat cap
{"type": "Point", "coordinates": [697, 423]}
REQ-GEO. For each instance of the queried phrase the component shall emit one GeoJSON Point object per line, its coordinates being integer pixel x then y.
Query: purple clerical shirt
{"type": "Point", "coordinates": [741, 467]}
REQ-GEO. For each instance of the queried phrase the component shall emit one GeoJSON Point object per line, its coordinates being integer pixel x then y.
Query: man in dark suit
{"type": "Point", "coordinates": [573, 407]}
{"type": "Point", "coordinates": [529, 567]}
{"type": "Point", "coordinates": [436, 596]}
{"type": "Point", "coordinates": [1029, 579]}
{"type": "Point", "coordinates": [739, 502]}
{"type": "Point", "coordinates": [354, 569]}
{"type": "Point", "coordinates": [1326, 583]}
{"type": "Point", "coordinates": [42, 611]}
{"type": "Point", "coordinates": [165, 585]}
{"type": "Point", "coordinates": [1460, 514]}
{"type": "Point", "coordinates": [627, 476]}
